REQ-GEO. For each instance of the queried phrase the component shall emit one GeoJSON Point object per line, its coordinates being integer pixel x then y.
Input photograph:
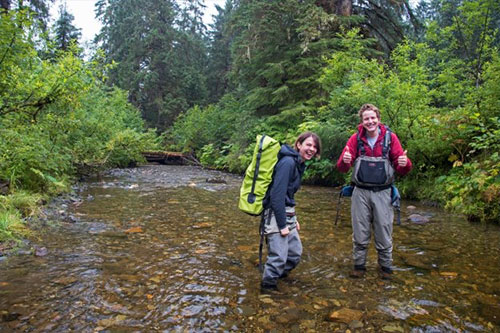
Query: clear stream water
{"type": "Point", "coordinates": [160, 249]}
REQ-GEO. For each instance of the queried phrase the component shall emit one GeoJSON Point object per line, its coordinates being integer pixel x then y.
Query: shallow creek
{"type": "Point", "coordinates": [165, 248]}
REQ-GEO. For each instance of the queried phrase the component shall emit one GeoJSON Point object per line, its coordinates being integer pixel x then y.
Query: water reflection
{"type": "Point", "coordinates": [164, 248]}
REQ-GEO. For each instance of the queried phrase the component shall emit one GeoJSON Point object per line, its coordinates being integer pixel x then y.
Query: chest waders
{"type": "Point", "coordinates": [373, 173]}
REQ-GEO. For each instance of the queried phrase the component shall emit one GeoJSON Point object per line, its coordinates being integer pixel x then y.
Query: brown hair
{"type": "Point", "coordinates": [368, 107]}
{"type": "Point", "coordinates": [304, 136]}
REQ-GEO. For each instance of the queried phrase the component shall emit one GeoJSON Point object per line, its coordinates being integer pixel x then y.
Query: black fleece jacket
{"type": "Point", "coordinates": [286, 181]}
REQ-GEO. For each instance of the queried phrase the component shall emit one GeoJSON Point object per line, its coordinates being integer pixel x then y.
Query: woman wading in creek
{"type": "Point", "coordinates": [281, 226]}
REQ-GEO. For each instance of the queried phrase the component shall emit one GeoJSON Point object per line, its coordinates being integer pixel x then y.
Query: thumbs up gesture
{"type": "Point", "coordinates": [347, 158]}
{"type": "Point", "coordinates": [403, 159]}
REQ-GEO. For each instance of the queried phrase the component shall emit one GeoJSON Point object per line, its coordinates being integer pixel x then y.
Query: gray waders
{"type": "Point", "coordinates": [283, 252]}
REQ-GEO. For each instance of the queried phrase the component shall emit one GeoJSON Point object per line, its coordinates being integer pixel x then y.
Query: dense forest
{"type": "Point", "coordinates": [158, 78]}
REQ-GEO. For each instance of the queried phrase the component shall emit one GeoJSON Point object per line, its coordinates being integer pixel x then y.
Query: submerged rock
{"type": "Point", "coordinates": [418, 219]}
{"type": "Point", "coordinates": [392, 328]}
{"type": "Point", "coordinates": [345, 315]}
{"type": "Point", "coordinates": [216, 180]}
{"type": "Point", "coordinates": [41, 251]}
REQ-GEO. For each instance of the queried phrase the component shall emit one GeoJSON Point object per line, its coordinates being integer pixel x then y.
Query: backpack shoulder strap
{"type": "Point", "coordinates": [251, 196]}
{"type": "Point", "coordinates": [361, 146]}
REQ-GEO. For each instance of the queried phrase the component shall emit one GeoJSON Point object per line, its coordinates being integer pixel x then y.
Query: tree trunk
{"type": "Point", "coordinates": [343, 7]}
{"type": "Point", "coordinates": [339, 7]}
{"type": "Point", "coordinates": [5, 5]}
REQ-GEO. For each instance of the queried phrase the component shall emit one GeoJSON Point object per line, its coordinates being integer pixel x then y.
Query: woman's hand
{"type": "Point", "coordinates": [285, 231]}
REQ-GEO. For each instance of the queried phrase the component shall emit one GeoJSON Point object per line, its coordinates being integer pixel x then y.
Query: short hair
{"type": "Point", "coordinates": [368, 107]}
{"type": "Point", "coordinates": [304, 136]}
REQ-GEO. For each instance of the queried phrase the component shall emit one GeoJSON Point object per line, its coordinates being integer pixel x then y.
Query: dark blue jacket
{"type": "Point", "coordinates": [286, 181]}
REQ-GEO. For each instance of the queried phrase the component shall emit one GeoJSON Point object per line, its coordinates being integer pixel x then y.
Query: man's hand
{"type": "Point", "coordinates": [285, 231]}
{"type": "Point", "coordinates": [297, 225]}
{"type": "Point", "coordinates": [403, 159]}
{"type": "Point", "coordinates": [347, 158]}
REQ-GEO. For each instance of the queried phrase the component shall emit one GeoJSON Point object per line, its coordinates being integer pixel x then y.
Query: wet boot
{"type": "Point", "coordinates": [284, 275]}
{"type": "Point", "coordinates": [358, 272]}
{"type": "Point", "coordinates": [268, 287]}
{"type": "Point", "coordinates": [385, 273]}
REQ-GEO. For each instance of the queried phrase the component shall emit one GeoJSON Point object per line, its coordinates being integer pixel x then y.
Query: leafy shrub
{"type": "Point", "coordinates": [55, 116]}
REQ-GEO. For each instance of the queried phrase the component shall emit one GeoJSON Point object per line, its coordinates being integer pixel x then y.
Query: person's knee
{"type": "Point", "coordinates": [360, 246]}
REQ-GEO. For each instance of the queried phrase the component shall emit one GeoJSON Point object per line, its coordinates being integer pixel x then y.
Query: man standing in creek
{"type": "Point", "coordinates": [375, 153]}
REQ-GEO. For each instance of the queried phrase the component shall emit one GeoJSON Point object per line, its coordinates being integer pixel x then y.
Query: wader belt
{"type": "Point", "coordinates": [375, 188]}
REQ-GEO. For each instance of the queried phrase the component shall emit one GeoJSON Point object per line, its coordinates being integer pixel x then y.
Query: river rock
{"type": "Point", "coordinates": [392, 328]}
{"type": "Point", "coordinates": [66, 280]}
{"type": "Point", "coordinates": [417, 261]}
{"type": "Point", "coordinates": [247, 310]}
{"type": "Point", "coordinates": [411, 207]}
{"type": "Point", "coordinates": [216, 180]}
{"type": "Point", "coordinates": [71, 219]}
{"type": "Point", "coordinates": [24, 251]}
{"type": "Point", "coordinates": [355, 324]}
{"type": "Point", "coordinates": [10, 316]}
{"type": "Point", "coordinates": [41, 251]}
{"type": "Point", "coordinates": [449, 275]}
{"type": "Point", "coordinates": [202, 225]}
{"type": "Point", "coordinates": [112, 321]}
{"type": "Point", "coordinates": [401, 310]}
{"type": "Point", "coordinates": [418, 219]}
{"type": "Point", "coordinates": [345, 315]}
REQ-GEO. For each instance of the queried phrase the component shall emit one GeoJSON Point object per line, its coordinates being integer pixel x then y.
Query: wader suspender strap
{"type": "Point", "coordinates": [261, 244]}
{"type": "Point", "coordinates": [387, 143]}
{"type": "Point", "coordinates": [385, 146]}
{"type": "Point", "coordinates": [251, 195]}
{"type": "Point", "coordinates": [361, 146]}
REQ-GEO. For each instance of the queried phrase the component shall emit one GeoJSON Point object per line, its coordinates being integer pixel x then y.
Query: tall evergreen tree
{"type": "Point", "coordinates": [388, 21]}
{"type": "Point", "coordinates": [219, 53]}
{"type": "Point", "coordinates": [65, 32]}
{"type": "Point", "coordinates": [159, 55]}
{"type": "Point", "coordinates": [278, 52]}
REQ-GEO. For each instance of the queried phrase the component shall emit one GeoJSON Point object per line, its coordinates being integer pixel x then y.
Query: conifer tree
{"type": "Point", "coordinates": [159, 52]}
{"type": "Point", "coordinates": [65, 32]}
{"type": "Point", "coordinates": [219, 53]}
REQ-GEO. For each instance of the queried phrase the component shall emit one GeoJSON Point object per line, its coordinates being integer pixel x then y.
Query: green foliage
{"type": "Point", "coordinates": [473, 189]}
{"type": "Point", "coordinates": [26, 203]}
{"type": "Point", "coordinates": [56, 117]}
{"type": "Point", "coordinates": [11, 225]}
{"type": "Point", "coordinates": [160, 55]}
{"type": "Point", "coordinates": [13, 209]}
{"type": "Point", "coordinates": [295, 68]}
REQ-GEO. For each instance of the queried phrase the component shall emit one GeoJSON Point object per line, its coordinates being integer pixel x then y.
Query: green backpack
{"type": "Point", "coordinates": [259, 175]}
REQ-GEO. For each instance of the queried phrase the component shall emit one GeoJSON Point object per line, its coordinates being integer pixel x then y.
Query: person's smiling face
{"type": "Point", "coordinates": [370, 122]}
{"type": "Point", "coordinates": [307, 149]}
